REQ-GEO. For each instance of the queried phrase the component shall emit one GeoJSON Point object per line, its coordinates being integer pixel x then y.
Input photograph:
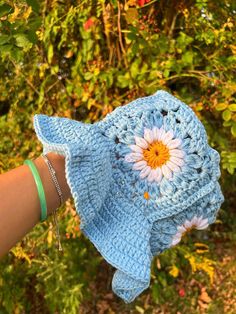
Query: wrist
{"type": "Point", "coordinates": [58, 163]}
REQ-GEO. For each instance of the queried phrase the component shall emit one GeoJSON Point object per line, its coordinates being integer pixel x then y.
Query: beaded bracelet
{"type": "Point", "coordinates": [59, 192]}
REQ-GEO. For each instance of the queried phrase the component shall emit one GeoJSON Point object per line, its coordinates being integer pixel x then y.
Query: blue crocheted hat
{"type": "Point", "coordinates": [140, 178]}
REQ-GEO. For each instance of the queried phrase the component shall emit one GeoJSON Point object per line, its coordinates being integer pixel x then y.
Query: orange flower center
{"type": "Point", "coordinates": [156, 154]}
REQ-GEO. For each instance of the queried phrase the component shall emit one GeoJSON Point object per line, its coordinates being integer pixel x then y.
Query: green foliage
{"type": "Point", "coordinates": [81, 59]}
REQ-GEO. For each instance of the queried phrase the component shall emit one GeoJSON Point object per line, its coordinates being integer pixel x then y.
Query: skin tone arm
{"type": "Point", "coordinates": [19, 202]}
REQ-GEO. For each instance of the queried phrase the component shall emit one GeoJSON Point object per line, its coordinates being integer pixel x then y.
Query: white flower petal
{"type": "Point", "coordinates": [168, 137]}
{"type": "Point", "coordinates": [166, 172]}
{"type": "Point", "coordinates": [176, 240]}
{"type": "Point", "coordinates": [139, 165]}
{"type": "Point", "coordinates": [177, 161]}
{"type": "Point", "coordinates": [178, 235]}
{"type": "Point", "coordinates": [151, 176]}
{"type": "Point", "coordinates": [160, 133]}
{"type": "Point", "coordinates": [198, 221]}
{"type": "Point", "coordinates": [136, 148]}
{"type": "Point", "coordinates": [204, 222]}
{"type": "Point", "coordinates": [148, 135]}
{"type": "Point", "coordinates": [141, 142]}
{"type": "Point", "coordinates": [172, 166]}
{"type": "Point", "coordinates": [162, 136]}
{"type": "Point", "coordinates": [187, 224]}
{"type": "Point", "coordinates": [155, 132]}
{"type": "Point", "coordinates": [204, 226]}
{"type": "Point", "coordinates": [132, 157]}
{"type": "Point", "coordinates": [195, 220]}
{"type": "Point", "coordinates": [174, 143]}
{"type": "Point", "coordinates": [145, 172]}
{"type": "Point", "coordinates": [181, 229]}
{"type": "Point", "coordinates": [158, 175]}
{"type": "Point", "coordinates": [177, 153]}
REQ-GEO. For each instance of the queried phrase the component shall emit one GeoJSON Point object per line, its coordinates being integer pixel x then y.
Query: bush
{"type": "Point", "coordinates": [81, 59]}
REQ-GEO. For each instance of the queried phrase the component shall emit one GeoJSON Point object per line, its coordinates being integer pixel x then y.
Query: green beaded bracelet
{"type": "Point", "coordinates": [40, 188]}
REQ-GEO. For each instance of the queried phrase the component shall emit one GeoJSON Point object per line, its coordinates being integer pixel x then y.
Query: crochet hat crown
{"type": "Point", "coordinates": [140, 179]}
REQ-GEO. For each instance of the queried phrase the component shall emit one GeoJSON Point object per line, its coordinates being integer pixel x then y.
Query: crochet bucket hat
{"type": "Point", "coordinates": [140, 178]}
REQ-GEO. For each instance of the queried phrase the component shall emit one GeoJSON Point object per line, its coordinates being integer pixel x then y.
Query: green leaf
{"type": "Point", "coordinates": [5, 49]}
{"type": "Point", "coordinates": [232, 107]}
{"type": "Point", "coordinates": [131, 36]}
{"type": "Point", "coordinates": [32, 36]}
{"type": "Point", "coordinates": [4, 39]}
{"type": "Point", "coordinates": [226, 123]}
{"type": "Point", "coordinates": [134, 69]}
{"type": "Point", "coordinates": [17, 54]}
{"type": "Point", "coordinates": [88, 76]}
{"type": "Point", "coordinates": [183, 40]}
{"type": "Point", "coordinates": [34, 4]}
{"type": "Point", "coordinates": [230, 169]}
{"type": "Point", "coordinates": [233, 130]}
{"type": "Point", "coordinates": [123, 80]}
{"type": "Point", "coordinates": [23, 41]}
{"type": "Point", "coordinates": [226, 115]}
{"type": "Point", "coordinates": [5, 9]}
{"type": "Point", "coordinates": [187, 57]}
{"type": "Point", "coordinates": [166, 73]}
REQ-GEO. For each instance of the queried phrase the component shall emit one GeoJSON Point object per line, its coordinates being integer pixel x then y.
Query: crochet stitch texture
{"type": "Point", "coordinates": [140, 178]}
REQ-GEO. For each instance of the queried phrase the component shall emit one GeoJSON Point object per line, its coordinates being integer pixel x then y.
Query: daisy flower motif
{"type": "Point", "coordinates": [156, 155]}
{"type": "Point", "coordinates": [196, 223]}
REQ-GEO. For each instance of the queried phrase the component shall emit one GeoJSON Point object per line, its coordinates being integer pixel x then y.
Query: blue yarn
{"type": "Point", "coordinates": [127, 228]}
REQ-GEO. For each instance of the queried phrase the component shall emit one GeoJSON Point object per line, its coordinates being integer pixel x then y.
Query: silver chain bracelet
{"type": "Point", "coordinates": [59, 192]}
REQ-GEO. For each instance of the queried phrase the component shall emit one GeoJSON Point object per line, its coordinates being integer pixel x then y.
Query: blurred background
{"type": "Point", "coordinates": [82, 59]}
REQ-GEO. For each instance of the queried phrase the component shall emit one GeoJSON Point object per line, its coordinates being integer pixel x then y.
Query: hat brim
{"type": "Point", "coordinates": [121, 233]}
{"type": "Point", "coordinates": [86, 154]}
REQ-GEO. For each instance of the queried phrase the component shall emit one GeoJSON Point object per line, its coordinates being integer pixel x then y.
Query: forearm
{"type": "Point", "coordinates": [19, 202]}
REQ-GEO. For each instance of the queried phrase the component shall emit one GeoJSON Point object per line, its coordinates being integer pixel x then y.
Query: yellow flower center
{"type": "Point", "coordinates": [156, 154]}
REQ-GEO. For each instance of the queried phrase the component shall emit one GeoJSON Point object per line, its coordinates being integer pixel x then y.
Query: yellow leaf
{"type": "Point", "coordinates": [185, 13]}
{"type": "Point", "coordinates": [49, 238]}
{"type": "Point", "coordinates": [202, 251]}
{"type": "Point", "coordinates": [221, 106]}
{"type": "Point", "coordinates": [192, 262]}
{"type": "Point", "coordinates": [232, 107]}
{"type": "Point", "coordinates": [131, 15]}
{"type": "Point", "coordinates": [174, 271]}
{"type": "Point", "coordinates": [233, 48]}
{"type": "Point", "coordinates": [197, 244]}
{"type": "Point", "coordinates": [96, 71]}
{"type": "Point", "coordinates": [50, 53]}
{"type": "Point", "coordinates": [132, 3]}
{"type": "Point", "coordinates": [207, 266]}
{"type": "Point", "coordinates": [20, 253]}
{"type": "Point", "coordinates": [27, 13]}
{"type": "Point", "coordinates": [14, 15]}
{"type": "Point", "coordinates": [85, 96]}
